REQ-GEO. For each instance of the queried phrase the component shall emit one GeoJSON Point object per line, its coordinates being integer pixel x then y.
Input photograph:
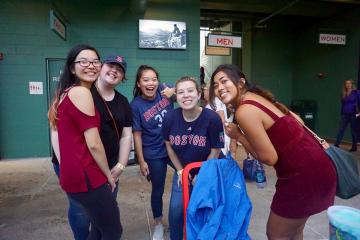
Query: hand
{"type": "Point", "coordinates": [232, 130]}
{"type": "Point", "coordinates": [179, 181]}
{"type": "Point", "coordinates": [357, 115]}
{"type": "Point", "coordinates": [111, 182]}
{"type": "Point", "coordinates": [144, 168]}
{"type": "Point", "coordinates": [168, 92]}
{"type": "Point", "coordinates": [115, 173]}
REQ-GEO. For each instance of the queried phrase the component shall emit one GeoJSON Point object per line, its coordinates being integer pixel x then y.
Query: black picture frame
{"type": "Point", "coordinates": [160, 34]}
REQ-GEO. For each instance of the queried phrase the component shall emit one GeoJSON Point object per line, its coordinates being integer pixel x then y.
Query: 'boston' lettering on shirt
{"type": "Point", "coordinates": [195, 140]}
{"type": "Point", "coordinates": [156, 108]}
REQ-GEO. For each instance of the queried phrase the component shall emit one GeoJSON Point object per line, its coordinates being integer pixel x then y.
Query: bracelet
{"type": "Point", "coordinates": [120, 166]}
{"type": "Point", "coordinates": [179, 172]}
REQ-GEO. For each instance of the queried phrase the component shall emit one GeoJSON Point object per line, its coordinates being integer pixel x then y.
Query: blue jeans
{"type": "Point", "coordinates": [176, 217]}
{"type": "Point", "coordinates": [157, 169]}
{"type": "Point", "coordinates": [78, 218]}
{"type": "Point", "coordinates": [345, 120]}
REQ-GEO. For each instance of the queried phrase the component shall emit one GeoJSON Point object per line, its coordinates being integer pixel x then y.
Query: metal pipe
{"type": "Point", "coordinates": [275, 13]}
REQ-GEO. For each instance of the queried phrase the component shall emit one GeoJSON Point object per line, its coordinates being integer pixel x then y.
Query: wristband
{"type": "Point", "coordinates": [179, 172]}
{"type": "Point", "coordinates": [120, 166]}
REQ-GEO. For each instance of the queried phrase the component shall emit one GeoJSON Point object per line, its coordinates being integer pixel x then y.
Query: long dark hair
{"type": "Point", "coordinates": [235, 75]}
{"type": "Point", "coordinates": [67, 79]}
{"type": "Point", "coordinates": [139, 73]}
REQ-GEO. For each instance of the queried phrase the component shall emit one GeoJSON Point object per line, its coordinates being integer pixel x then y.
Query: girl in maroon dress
{"type": "Point", "coordinates": [275, 136]}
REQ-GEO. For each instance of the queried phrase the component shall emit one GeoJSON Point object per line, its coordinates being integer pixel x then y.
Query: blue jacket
{"type": "Point", "coordinates": [219, 207]}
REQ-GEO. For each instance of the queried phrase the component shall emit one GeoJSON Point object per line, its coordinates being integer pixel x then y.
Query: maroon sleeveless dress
{"type": "Point", "coordinates": [306, 182]}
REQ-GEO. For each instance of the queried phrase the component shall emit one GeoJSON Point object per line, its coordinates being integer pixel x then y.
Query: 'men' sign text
{"type": "Point", "coordinates": [224, 41]}
{"type": "Point", "coordinates": [332, 39]}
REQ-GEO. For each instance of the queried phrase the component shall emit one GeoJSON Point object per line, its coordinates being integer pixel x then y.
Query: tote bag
{"type": "Point", "coordinates": [348, 180]}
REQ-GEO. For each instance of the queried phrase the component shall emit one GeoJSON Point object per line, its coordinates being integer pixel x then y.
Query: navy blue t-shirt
{"type": "Point", "coordinates": [148, 117]}
{"type": "Point", "coordinates": [192, 141]}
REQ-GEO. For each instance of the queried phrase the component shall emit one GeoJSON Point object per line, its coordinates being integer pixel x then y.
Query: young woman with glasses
{"type": "Point", "coordinates": [85, 174]}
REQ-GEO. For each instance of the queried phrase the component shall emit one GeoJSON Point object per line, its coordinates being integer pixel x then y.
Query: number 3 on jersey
{"type": "Point", "coordinates": [160, 117]}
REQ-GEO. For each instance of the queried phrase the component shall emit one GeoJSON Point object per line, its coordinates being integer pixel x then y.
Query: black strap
{"type": "Point", "coordinates": [109, 111]}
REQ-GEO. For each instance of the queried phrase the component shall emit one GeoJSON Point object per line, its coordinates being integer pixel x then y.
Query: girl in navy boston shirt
{"type": "Point", "coordinates": [150, 105]}
{"type": "Point", "coordinates": [191, 134]}
{"type": "Point", "coordinates": [349, 107]}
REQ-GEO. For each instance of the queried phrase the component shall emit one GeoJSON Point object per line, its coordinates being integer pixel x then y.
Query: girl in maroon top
{"type": "Point", "coordinates": [85, 174]}
{"type": "Point", "coordinates": [306, 181]}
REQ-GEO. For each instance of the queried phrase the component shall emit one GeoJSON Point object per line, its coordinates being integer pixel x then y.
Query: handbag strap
{"type": "Point", "coordinates": [110, 113]}
{"type": "Point", "coordinates": [321, 141]}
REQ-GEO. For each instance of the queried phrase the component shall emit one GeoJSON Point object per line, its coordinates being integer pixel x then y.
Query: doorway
{"type": "Point", "coordinates": [54, 68]}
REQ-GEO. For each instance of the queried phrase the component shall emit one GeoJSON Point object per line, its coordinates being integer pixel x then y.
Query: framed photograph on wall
{"type": "Point", "coordinates": [162, 34]}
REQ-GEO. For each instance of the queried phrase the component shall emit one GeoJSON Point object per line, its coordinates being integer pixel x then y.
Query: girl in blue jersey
{"type": "Point", "coordinates": [150, 104]}
{"type": "Point", "coordinates": [191, 134]}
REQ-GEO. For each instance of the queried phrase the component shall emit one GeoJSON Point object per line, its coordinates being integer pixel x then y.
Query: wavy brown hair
{"type": "Point", "coordinates": [235, 75]}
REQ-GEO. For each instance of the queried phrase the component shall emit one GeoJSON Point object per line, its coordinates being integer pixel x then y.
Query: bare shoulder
{"type": "Point", "coordinates": [81, 97]}
{"type": "Point", "coordinates": [247, 114]}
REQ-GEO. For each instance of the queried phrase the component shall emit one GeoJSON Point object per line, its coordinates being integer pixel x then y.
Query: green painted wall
{"type": "Point", "coordinates": [337, 62]}
{"type": "Point", "coordinates": [26, 41]}
{"type": "Point", "coordinates": [286, 59]}
{"type": "Point", "coordinates": [272, 59]}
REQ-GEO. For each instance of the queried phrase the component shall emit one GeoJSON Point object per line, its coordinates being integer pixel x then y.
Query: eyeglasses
{"type": "Point", "coordinates": [86, 63]}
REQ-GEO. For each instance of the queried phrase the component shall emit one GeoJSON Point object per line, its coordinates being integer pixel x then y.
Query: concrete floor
{"type": "Point", "coordinates": [33, 207]}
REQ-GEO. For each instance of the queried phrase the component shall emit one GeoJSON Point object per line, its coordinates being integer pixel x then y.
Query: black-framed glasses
{"type": "Point", "coordinates": [86, 63]}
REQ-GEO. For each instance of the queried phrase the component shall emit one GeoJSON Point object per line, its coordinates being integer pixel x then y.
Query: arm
{"type": "Point", "coordinates": [82, 99]}
{"type": "Point", "coordinates": [220, 109]}
{"type": "Point", "coordinates": [255, 138]}
{"type": "Point", "coordinates": [168, 92]}
{"type": "Point", "coordinates": [96, 148]}
{"type": "Point", "coordinates": [173, 157]}
{"type": "Point", "coordinates": [55, 143]}
{"type": "Point", "coordinates": [175, 160]}
{"type": "Point", "coordinates": [222, 115]}
{"type": "Point", "coordinates": [139, 153]}
{"type": "Point", "coordinates": [233, 147]}
{"type": "Point", "coordinates": [214, 153]}
{"type": "Point", "coordinates": [125, 147]}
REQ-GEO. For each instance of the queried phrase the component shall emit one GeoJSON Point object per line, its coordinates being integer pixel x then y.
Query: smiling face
{"type": "Point", "coordinates": [86, 75]}
{"type": "Point", "coordinates": [225, 89]}
{"type": "Point", "coordinates": [111, 74]}
{"type": "Point", "coordinates": [148, 84]}
{"type": "Point", "coordinates": [187, 95]}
